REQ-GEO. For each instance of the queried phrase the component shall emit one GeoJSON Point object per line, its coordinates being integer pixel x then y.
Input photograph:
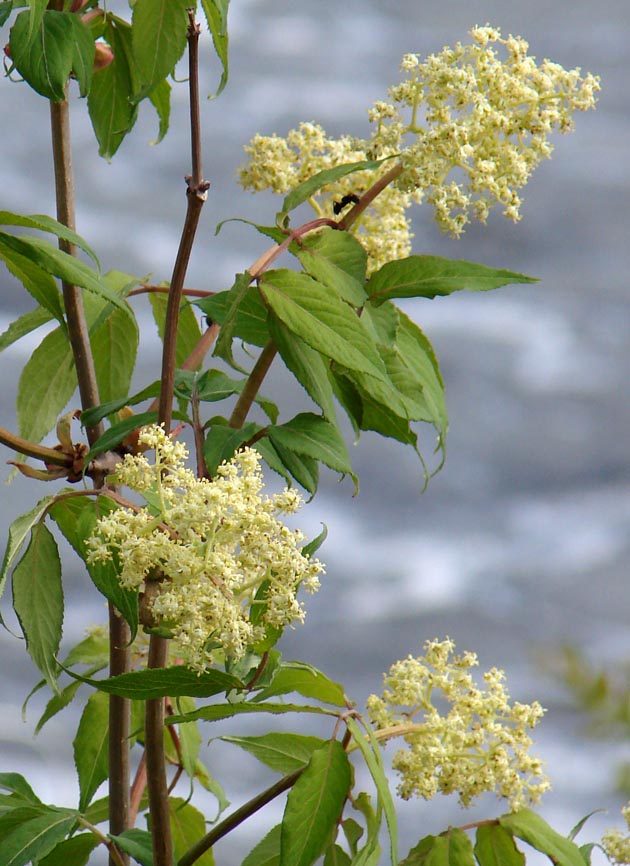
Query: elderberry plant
{"type": "Point", "coordinates": [199, 570]}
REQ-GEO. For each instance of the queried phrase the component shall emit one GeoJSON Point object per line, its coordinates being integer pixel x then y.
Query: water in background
{"type": "Point", "coordinates": [521, 542]}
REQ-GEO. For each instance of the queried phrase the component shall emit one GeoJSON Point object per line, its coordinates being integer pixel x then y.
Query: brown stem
{"type": "Point", "coordinates": [137, 789]}
{"type": "Point", "coordinates": [237, 817]}
{"type": "Point", "coordinates": [88, 390]}
{"type": "Point", "coordinates": [197, 190]}
{"type": "Point", "coordinates": [368, 197]}
{"type": "Point", "coordinates": [48, 455]}
{"type": "Point", "coordinates": [248, 394]}
{"type": "Point", "coordinates": [196, 194]}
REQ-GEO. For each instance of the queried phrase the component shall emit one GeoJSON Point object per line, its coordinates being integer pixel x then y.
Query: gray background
{"type": "Point", "coordinates": [521, 543]}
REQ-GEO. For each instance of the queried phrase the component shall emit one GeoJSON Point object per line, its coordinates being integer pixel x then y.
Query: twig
{"type": "Point", "coordinates": [252, 386]}
{"type": "Point", "coordinates": [237, 817]}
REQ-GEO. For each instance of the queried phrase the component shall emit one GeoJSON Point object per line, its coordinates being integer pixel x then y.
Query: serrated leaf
{"type": "Point", "coordinates": [234, 299]}
{"type": "Point", "coordinates": [250, 317]}
{"type": "Point", "coordinates": [91, 417]}
{"type": "Point", "coordinates": [267, 851]}
{"type": "Point", "coordinates": [188, 826]}
{"type": "Point", "coordinates": [531, 828]}
{"type": "Point", "coordinates": [338, 261]}
{"type": "Point", "coordinates": [215, 712]}
{"type": "Point", "coordinates": [35, 280]}
{"type": "Point", "coordinates": [43, 54]}
{"type": "Point", "coordinates": [72, 852]}
{"type": "Point", "coordinates": [91, 747]}
{"type": "Point", "coordinates": [314, 805]}
{"type": "Point", "coordinates": [34, 837]}
{"type": "Point", "coordinates": [188, 333]}
{"type": "Point", "coordinates": [160, 98]}
{"type": "Point", "coordinates": [164, 682]}
{"type": "Point", "coordinates": [309, 187]}
{"type": "Point", "coordinates": [494, 846]}
{"type": "Point", "coordinates": [83, 52]}
{"type": "Point", "coordinates": [44, 223]}
{"type": "Point", "coordinates": [136, 842]}
{"type": "Point", "coordinates": [300, 677]}
{"type": "Point", "coordinates": [213, 386]}
{"type": "Point", "coordinates": [18, 532]}
{"type": "Point", "coordinates": [60, 264]}
{"type": "Point", "coordinates": [430, 851]}
{"type": "Point", "coordinates": [322, 320]}
{"type": "Point", "coordinates": [430, 276]}
{"type": "Point", "coordinates": [223, 441]}
{"type": "Point", "coordinates": [315, 437]}
{"type": "Point", "coordinates": [216, 15]}
{"type": "Point", "coordinates": [38, 601]}
{"type": "Point", "coordinates": [114, 346]}
{"type": "Point", "coordinates": [372, 757]}
{"type": "Point", "coordinates": [289, 465]}
{"type": "Point", "coordinates": [76, 518]}
{"type": "Point", "coordinates": [25, 324]}
{"type": "Point", "coordinates": [307, 365]}
{"type": "Point", "coordinates": [159, 37]}
{"type": "Point", "coordinates": [46, 383]}
{"type": "Point", "coordinates": [117, 432]}
{"type": "Point", "coordinates": [112, 112]}
{"type": "Point", "coordinates": [17, 784]}
{"type": "Point", "coordinates": [282, 752]}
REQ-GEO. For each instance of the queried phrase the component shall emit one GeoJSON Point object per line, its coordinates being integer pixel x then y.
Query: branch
{"type": "Point", "coordinates": [237, 817]}
{"type": "Point", "coordinates": [248, 394]}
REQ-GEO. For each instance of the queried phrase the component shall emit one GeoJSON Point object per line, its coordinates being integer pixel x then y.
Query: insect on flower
{"type": "Point", "coordinates": [338, 206]}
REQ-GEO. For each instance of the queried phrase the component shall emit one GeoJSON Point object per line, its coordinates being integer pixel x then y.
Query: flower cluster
{"type": "Point", "coordinates": [479, 744]}
{"type": "Point", "coordinates": [468, 124]}
{"type": "Point", "coordinates": [616, 845]}
{"type": "Point", "coordinates": [216, 561]}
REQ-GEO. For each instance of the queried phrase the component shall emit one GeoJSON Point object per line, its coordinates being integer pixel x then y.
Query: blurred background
{"type": "Point", "coordinates": [520, 544]}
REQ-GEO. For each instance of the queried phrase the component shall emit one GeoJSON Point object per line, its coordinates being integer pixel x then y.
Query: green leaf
{"type": "Point", "coordinates": [235, 297]}
{"type": "Point", "coordinates": [46, 383]}
{"type": "Point", "coordinates": [223, 441]}
{"type": "Point", "coordinates": [289, 465]}
{"type": "Point", "coordinates": [305, 190]}
{"type": "Point", "coordinates": [6, 7]}
{"type": "Point", "coordinates": [212, 386]}
{"type": "Point", "coordinates": [322, 320]}
{"type": "Point", "coordinates": [164, 682]}
{"type": "Point", "coordinates": [57, 703]}
{"type": "Point", "coordinates": [32, 838]}
{"type": "Point", "coordinates": [76, 517]}
{"type": "Point", "coordinates": [36, 12]}
{"type": "Point", "coordinates": [267, 851]}
{"type": "Point", "coordinates": [18, 531]}
{"type": "Point", "coordinates": [336, 856]}
{"type": "Point", "coordinates": [44, 56]}
{"type": "Point", "coordinates": [282, 752]}
{"type": "Point", "coordinates": [38, 601]}
{"type": "Point", "coordinates": [372, 757]}
{"type": "Point", "coordinates": [188, 826]}
{"type": "Point", "coordinates": [531, 828]}
{"type": "Point", "coordinates": [494, 846]}
{"type": "Point", "coordinates": [61, 265]}
{"type": "Point", "coordinates": [430, 851]}
{"type": "Point", "coordinates": [17, 784]}
{"type": "Point", "coordinates": [91, 747]}
{"type": "Point", "coordinates": [307, 365]}
{"type": "Point", "coordinates": [91, 417]}
{"type": "Point", "coordinates": [117, 432]}
{"type": "Point", "coordinates": [44, 223]}
{"type": "Point", "coordinates": [159, 37]}
{"type": "Point", "coordinates": [216, 15]}
{"type": "Point", "coordinates": [215, 712]}
{"type": "Point", "coordinates": [114, 346]}
{"type": "Point", "coordinates": [250, 317]}
{"type": "Point", "coordinates": [82, 54]}
{"type": "Point", "coordinates": [136, 842]}
{"type": "Point", "coordinates": [72, 852]}
{"type": "Point", "coordinates": [315, 437]}
{"type": "Point", "coordinates": [306, 680]}
{"type": "Point", "coordinates": [112, 112]}
{"type": "Point", "coordinates": [35, 280]}
{"type": "Point", "coordinates": [23, 325]}
{"type": "Point", "coordinates": [188, 333]}
{"type": "Point", "coordinates": [314, 805]}
{"type": "Point", "coordinates": [338, 261]}
{"type": "Point", "coordinates": [430, 276]}
{"type": "Point", "coordinates": [160, 98]}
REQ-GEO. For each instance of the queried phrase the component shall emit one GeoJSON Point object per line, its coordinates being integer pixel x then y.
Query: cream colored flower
{"type": "Point", "coordinates": [617, 844]}
{"type": "Point", "coordinates": [461, 738]}
{"type": "Point", "coordinates": [469, 125]}
{"type": "Point", "coordinates": [221, 565]}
